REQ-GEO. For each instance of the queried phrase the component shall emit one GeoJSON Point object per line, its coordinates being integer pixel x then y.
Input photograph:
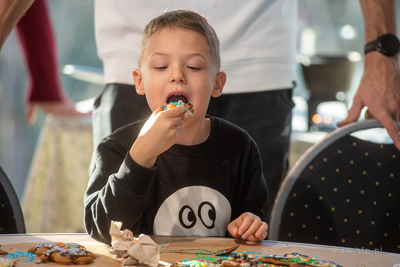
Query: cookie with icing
{"type": "Point", "coordinates": [243, 259]}
{"type": "Point", "coordinates": [188, 106]}
{"type": "Point", "coordinates": [3, 252]}
{"type": "Point", "coordinates": [63, 253]}
{"type": "Point", "coordinates": [4, 262]}
{"type": "Point", "coordinates": [296, 259]}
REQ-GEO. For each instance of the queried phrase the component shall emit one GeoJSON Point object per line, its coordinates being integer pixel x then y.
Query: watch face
{"type": "Point", "coordinates": [388, 44]}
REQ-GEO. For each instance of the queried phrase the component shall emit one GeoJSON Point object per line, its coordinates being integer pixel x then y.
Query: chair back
{"type": "Point", "coordinates": [11, 218]}
{"type": "Point", "coordinates": [343, 191]}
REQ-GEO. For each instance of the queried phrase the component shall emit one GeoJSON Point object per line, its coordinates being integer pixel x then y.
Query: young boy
{"type": "Point", "coordinates": [178, 173]}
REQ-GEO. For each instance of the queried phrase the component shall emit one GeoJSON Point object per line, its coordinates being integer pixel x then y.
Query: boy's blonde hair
{"type": "Point", "coordinates": [184, 19]}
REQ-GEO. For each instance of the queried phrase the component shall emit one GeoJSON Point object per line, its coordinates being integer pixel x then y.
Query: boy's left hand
{"type": "Point", "coordinates": [249, 227]}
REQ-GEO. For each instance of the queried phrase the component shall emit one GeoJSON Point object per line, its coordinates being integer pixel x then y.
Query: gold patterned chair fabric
{"type": "Point", "coordinates": [344, 191]}
{"type": "Point", "coordinates": [11, 218]}
{"type": "Point", "coordinates": [53, 196]}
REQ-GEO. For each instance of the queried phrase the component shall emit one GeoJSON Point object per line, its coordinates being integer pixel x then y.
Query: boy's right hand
{"type": "Point", "coordinates": [158, 134]}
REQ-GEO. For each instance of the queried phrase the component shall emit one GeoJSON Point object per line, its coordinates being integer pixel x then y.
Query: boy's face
{"type": "Point", "coordinates": [177, 64]}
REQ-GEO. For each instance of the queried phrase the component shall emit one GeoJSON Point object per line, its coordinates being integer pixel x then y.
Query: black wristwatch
{"type": "Point", "coordinates": [387, 44]}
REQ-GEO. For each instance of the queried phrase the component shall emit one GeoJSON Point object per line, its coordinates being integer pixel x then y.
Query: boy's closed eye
{"type": "Point", "coordinates": [194, 68]}
{"type": "Point", "coordinates": [161, 67]}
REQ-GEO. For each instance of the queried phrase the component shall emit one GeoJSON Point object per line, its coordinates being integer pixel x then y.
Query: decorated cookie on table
{"type": "Point", "coordinates": [14, 258]}
{"type": "Point", "coordinates": [2, 252]}
{"type": "Point", "coordinates": [5, 262]}
{"type": "Point", "coordinates": [296, 259]}
{"type": "Point", "coordinates": [63, 253]}
{"type": "Point", "coordinates": [244, 259]}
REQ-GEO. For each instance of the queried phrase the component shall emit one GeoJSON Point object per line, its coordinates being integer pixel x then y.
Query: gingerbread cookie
{"type": "Point", "coordinates": [243, 259]}
{"type": "Point", "coordinates": [188, 106]}
{"type": "Point", "coordinates": [2, 252]}
{"type": "Point", "coordinates": [236, 259]}
{"type": "Point", "coordinates": [4, 262]}
{"type": "Point", "coordinates": [295, 259]}
{"type": "Point", "coordinates": [277, 260]}
{"type": "Point", "coordinates": [63, 253]}
{"type": "Point", "coordinates": [230, 263]}
{"type": "Point", "coordinates": [233, 259]}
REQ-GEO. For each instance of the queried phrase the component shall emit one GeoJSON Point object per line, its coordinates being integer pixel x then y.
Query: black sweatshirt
{"type": "Point", "coordinates": [191, 190]}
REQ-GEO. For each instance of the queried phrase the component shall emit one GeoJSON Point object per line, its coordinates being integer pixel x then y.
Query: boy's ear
{"type": "Point", "coordinates": [220, 81]}
{"type": "Point", "coordinates": [137, 77]}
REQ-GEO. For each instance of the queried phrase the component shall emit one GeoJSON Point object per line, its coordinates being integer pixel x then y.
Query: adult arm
{"type": "Point", "coordinates": [10, 13]}
{"type": "Point", "coordinates": [37, 39]}
{"type": "Point", "coordinates": [379, 88]}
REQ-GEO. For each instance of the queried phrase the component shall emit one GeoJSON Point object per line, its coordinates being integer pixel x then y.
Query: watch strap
{"type": "Point", "coordinates": [387, 44]}
{"type": "Point", "coordinates": [371, 46]}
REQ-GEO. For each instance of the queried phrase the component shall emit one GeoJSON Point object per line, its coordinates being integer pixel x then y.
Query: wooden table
{"type": "Point", "coordinates": [343, 256]}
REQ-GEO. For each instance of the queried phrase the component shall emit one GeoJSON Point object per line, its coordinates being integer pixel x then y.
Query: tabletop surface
{"type": "Point", "coordinates": [339, 255]}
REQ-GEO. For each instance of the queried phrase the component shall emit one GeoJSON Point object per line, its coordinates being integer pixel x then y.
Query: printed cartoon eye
{"type": "Point", "coordinates": [187, 218]}
{"type": "Point", "coordinates": [207, 214]}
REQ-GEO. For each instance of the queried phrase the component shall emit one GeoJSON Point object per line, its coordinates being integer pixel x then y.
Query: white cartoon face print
{"type": "Point", "coordinates": [193, 210]}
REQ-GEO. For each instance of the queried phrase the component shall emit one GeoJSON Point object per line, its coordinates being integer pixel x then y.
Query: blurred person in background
{"type": "Point", "coordinates": [258, 49]}
{"type": "Point", "coordinates": [258, 37]}
{"type": "Point", "coordinates": [38, 43]}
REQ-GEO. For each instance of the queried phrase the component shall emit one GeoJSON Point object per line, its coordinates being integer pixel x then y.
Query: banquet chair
{"type": "Point", "coordinates": [11, 218]}
{"type": "Point", "coordinates": [343, 191]}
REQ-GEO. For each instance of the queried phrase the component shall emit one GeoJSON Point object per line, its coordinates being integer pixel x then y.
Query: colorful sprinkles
{"type": "Point", "coordinates": [17, 257]}
{"type": "Point", "coordinates": [252, 259]}
{"type": "Point", "coordinates": [65, 249]}
{"type": "Point", "coordinates": [189, 107]}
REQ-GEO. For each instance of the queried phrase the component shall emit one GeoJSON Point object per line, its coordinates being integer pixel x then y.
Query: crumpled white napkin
{"type": "Point", "coordinates": [131, 250]}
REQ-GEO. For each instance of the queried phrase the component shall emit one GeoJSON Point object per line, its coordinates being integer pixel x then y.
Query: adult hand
{"type": "Point", "coordinates": [248, 227]}
{"type": "Point", "coordinates": [379, 90]}
{"type": "Point", "coordinates": [64, 108]}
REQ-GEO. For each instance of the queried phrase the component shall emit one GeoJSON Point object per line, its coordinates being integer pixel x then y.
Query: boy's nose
{"type": "Point", "coordinates": [177, 80]}
{"type": "Point", "coordinates": [177, 76]}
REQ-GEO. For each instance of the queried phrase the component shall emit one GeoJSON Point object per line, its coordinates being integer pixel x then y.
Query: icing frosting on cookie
{"type": "Point", "coordinates": [244, 259]}
{"type": "Point", "coordinates": [71, 251]}
{"type": "Point", "coordinates": [188, 106]}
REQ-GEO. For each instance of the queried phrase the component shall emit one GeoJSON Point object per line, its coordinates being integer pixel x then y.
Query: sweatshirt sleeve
{"type": "Point", "coordinates": [37, 40]}
{"type": "Point", "coordinates": [118, 190]}
{"type": "Point", "coordinates": [255, 190]}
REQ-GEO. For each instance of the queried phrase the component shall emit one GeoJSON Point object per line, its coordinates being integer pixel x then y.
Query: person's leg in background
{"type": "Point", "coordinates": [266, 116]}
{"type": "Point", "coordinates": [116, 106]}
